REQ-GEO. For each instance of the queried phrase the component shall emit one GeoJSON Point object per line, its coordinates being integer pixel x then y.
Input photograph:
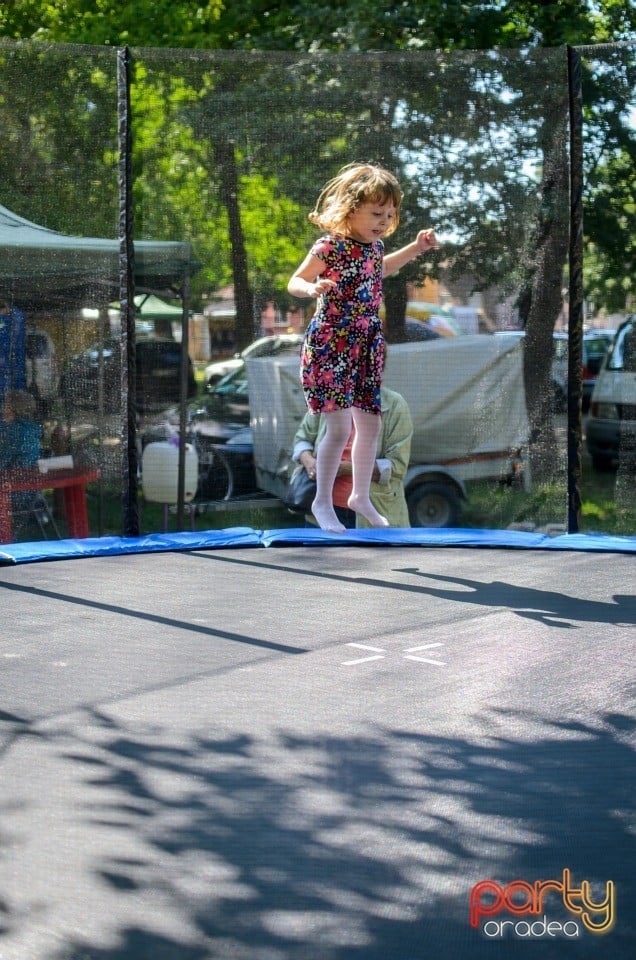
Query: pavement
{"type": "Point", "coordinates": [318, 754]}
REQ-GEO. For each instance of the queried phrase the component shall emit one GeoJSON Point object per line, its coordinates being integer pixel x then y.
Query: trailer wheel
{"type": "Point", "coordinates": [433, 505]}
{"type": "Point", "coordinates": [603, 463]}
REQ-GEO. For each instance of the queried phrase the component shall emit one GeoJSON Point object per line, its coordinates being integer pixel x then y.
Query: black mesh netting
{"type": "Point", "coordinates": [229, 152]}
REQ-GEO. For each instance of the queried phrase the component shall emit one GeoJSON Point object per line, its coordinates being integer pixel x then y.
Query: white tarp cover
{"type": "Point", "coordinates": [465, 394]}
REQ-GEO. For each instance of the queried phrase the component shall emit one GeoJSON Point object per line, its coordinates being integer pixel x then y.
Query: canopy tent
{"type": "Point", "coordinates": [150, 307]}
{"type": "Point", "coordinates": [41, 267]}
{"type": "Point", "coordinates": [152, 316]}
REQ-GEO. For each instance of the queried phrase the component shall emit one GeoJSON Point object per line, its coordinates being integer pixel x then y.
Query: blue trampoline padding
{"type": "Point", "coordinates": [310, 536]}
{"type": "Point", "coordinates": [117, 546]}
{"type": "Point", "coordinates": [593, 541]}
{"type": "Point", "coordinates": [449, 537]}
{"type": "Point", "coordinates": [412, 536]}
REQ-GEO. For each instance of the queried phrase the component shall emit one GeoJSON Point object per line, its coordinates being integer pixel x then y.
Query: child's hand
{"type": "Point", "coordinates": [323, 285]}
{"type": "Point", "coordinates": [426, 240]}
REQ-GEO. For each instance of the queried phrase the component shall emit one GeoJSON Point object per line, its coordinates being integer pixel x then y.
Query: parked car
{"type": "Point", "coordinates": [559, 365]}
{"type": "Point", "coordinates": [611, 425]}
{"type": "Point", "coordinates": [42, 376]}
{"type": "Point", "coordinates": [223, 408]}
{"type": "Point", "coordinates": [158, 375]}
{"type": "Point", "coordinates": [420, 330]}
{"type": "Point", "coordinates": [594, 347]}
{"type": "Point", "coordinates": [263, 347]}
{"type": "Point", "coordinates": [218, 425]}
{"type": "Point", "coordinates": [596, 343]}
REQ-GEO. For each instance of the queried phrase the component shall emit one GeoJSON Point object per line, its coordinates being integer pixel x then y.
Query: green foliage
{"type": "Point", "coordinates": [307, 24]}
{"type": "Point", "coordinates": [58, 154]}
{"type": "Point", "coordinates": [273, 223]}
{"type": "Point", "coordinates": [610, 161]}
{"type": "Point", "coordinates": [484, 197]}
{"type": "Point", "coordinates": [161, 23]}
{"type": "Point", "coordinates": [358, 25]}
{"type": "Point", "coordinates": [174, 192]}
{"type": "Point", "coordinates": [610, 266]}
{"type": "Point", "coordinates": [491, 505]}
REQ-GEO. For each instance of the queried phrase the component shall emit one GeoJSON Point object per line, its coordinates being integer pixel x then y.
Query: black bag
{"type": "Point", "coordinates": [301, 491]}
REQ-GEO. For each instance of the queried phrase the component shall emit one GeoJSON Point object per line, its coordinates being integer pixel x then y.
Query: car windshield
{"type": "Point", "coordinates": [260, 348]}
{"type": "Point", "coordinates": [232, 384]}
{"type": "Point", "coordinates": [596, 346]}
{"type": "Point", "coordinates": [271, 345]}
{"type": "Point", "coordinates": [623, 352]}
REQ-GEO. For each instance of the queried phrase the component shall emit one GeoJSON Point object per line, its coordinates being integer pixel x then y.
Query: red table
{"type": "Point", "coordinates": [73, 481]}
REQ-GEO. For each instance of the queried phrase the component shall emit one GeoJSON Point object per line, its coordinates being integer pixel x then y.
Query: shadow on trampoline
{"type": "Point", "coordinates": [12, 727]}
{"type": "Point", "coordinates": [154, 618]}
{"type": "Point", "coordinates": [534, 604]}
{"type": "Point", "coordinates": [362, 847]}
{"type": "Point", "coordinates": [549, 607]}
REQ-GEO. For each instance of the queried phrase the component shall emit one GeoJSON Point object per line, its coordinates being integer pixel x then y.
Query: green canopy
{"type": "Point", "coordinates": [150, 307]}
{"type": "Point", "coordinates": [42, 267]}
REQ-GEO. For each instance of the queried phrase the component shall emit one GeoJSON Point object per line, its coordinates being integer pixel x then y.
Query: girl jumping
{"type": "Point", "coordinates": [343, 352]}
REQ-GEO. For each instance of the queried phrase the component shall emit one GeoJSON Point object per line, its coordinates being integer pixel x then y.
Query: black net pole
{"type": "Point", "coordinates": [575, 306]}
{"type": "Point", "coordinates": [130, 483]}
{"type": "Point", "coordinates": [183, 401]}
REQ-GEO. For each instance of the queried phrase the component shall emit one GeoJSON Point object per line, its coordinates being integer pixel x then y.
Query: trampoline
{"type": "Point", "coordinates": [279, 744]}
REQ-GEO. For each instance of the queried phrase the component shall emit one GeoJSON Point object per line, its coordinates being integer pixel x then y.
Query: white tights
{"type": "Point", "coordinates": [328, 456]}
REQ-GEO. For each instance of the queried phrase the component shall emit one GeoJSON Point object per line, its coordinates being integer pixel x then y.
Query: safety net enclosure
{"type": "Point", "coordinates": [608, 89]}
{"type": "Point", "coordinates": [58, 168]}
{"type": "Point", "coordinates": [210, 163]}
{"type": "Point", "coordinates": [476, 141]}
{"type": "Point", "coordinates": [62, 337]}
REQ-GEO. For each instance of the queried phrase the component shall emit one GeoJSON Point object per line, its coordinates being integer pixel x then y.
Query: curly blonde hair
{"type": "Point", "coordinates": [355, 184]}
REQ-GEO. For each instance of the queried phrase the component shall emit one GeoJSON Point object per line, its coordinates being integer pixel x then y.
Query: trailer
{"type": "Point", "coordinates": [467, 403]}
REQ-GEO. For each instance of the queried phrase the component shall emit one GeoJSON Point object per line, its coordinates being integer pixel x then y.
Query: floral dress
{"type": "Point", "coordinates": [343, 351]}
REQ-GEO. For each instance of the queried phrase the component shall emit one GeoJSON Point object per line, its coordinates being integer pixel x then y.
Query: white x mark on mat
{"type": "Point", "coordinates": [408, 654]}
{"type": "Point", "coordinates": [379, 653]}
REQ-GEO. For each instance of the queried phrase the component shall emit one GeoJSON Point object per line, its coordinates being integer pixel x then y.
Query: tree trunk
{"type": "Point", "coordinates": [243, 295]}
{"type": "Point", "coordinates": [395, 300]}
{"type": "Point", "coordinates": [541, 300]}
{"type": "Point", "coordinates": [381, 146]}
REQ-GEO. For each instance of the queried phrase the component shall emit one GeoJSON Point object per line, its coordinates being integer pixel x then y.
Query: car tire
{"type": "Point", "coordinates": [434, 505]}
{"type": "Point", "coordinates": [216, 480]}
{"type": "Point", "coordinates": [602, 463]}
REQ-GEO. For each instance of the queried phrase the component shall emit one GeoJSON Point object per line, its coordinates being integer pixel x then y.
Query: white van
{"type": "Point", "coordinates": [611, 424]}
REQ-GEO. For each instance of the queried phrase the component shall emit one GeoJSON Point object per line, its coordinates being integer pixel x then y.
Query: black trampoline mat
{"type": "Point", "coordinates": [313, 753]}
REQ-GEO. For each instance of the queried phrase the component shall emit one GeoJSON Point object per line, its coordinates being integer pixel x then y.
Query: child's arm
{"type": "Point", "coordinates": [306, 281]}
{"type": "Point", "coordinates": [393, 262]}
